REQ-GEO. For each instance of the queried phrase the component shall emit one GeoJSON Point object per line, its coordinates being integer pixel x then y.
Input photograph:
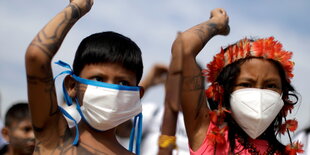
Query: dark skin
{"type": "Point", "coordinates": [189, 44]}
{"type": "Point", "coordinates": [20, 137]}
{"type": "Point", "coordinates": [50, 127]}
{"type": "Point", "coordinates": [172, 100]}
{"type": "Point", "coordinates": [259, 73]}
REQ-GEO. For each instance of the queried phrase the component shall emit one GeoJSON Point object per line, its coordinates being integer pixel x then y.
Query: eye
{"type": "Point", "coordinates": [27, 129]}
{"type": "Point", "coordinates": [272, 86]}
{"type": "Point", "coordinates": [124, 83]}
{"type": "Point", "coordinates": [245, 85]}
{"type": "Point", "coordinates": [97, 78]}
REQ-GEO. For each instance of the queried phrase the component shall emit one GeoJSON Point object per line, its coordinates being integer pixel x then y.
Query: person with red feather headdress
{"type": "Point", "coordinates": [249, 93]}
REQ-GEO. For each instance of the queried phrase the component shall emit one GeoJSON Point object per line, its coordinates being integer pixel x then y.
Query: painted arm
{"type": "Point", "coordinates": [41, 90]}
{"type": "Point", "coordinates": [193, 100]}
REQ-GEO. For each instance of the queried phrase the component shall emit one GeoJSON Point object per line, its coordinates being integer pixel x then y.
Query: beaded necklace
{"type": "Point", "coordinates": [250, 147]}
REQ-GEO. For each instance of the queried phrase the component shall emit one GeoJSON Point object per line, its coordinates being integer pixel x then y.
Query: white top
{"type": "Point", "coordinates": [152, 116]}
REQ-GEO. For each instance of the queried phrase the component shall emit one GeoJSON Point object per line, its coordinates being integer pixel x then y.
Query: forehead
{"type": "Point", "coordinates": [21, 123]}
{"type": "Point", "coordinates": [259, 68]}
{"type": "Point", "coordinates": [107, 69]}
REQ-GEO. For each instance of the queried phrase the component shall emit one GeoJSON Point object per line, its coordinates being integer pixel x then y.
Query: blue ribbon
{"type": "Point", "coordinates": [76, 139]}
{"type": "Point", "coordinates": [139, 134]}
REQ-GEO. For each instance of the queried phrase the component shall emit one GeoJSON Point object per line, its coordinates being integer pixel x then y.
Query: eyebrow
{"type": "Point", "coordinates": [273, 80]}
{"type": "Point", "coordinates": [246, 79]}
{"type": "Point", "coordinates": [252, 80]}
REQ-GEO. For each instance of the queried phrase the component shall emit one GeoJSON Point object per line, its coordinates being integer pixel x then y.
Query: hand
{"type": "Point", "coordinates": [157, 75]}
{"type": "Point", "coordinates": [221, 19]}
{"type": "Point", "coordinates": [84, 5]}
{"type": "Point", "coordinates": [164, 151]}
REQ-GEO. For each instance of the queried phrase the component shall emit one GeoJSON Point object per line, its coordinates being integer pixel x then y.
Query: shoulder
{"type": "Point", "coordinates": [53, 130]}
{"type": "Point", "coordinates": [209, 140]}
{"type": "Point", "coordinates": [51, 142]}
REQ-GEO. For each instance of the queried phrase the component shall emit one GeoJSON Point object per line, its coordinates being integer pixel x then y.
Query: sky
{"type": "Point", "coordinates": [153, 25]}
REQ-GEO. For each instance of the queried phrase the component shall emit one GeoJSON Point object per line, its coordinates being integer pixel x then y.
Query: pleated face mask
{"type": "Point", "coordinates": [106, 106]}
{"type": "Point", "coordinates": [255, 109]}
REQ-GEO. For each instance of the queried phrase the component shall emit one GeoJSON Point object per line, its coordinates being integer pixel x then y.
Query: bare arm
{"type": "Point", "coordinates": [172, 102]}
{"type": "Point", "coordinates": [157, 75]}
{"type": "Point", "coordinates": [190, 43]}
{"type": "Point", "coordinates": [41, 89]}
{"type": "Point", "coordinates": [168, 128]}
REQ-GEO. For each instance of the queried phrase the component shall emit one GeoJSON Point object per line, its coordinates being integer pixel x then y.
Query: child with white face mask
{"type": "Point", "coordinates": [103, 84]}
{"type": "Point", "coordinates": [249, 93]}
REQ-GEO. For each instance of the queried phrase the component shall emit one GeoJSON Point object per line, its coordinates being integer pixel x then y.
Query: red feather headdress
{"type": "Point", "coordinates": [266, 48]}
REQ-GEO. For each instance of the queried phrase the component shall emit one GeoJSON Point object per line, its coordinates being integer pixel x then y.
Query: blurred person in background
{"type": "Point", "coordinates": [18, 131]}
{"type": "Point", "coordinates": [2, 141]}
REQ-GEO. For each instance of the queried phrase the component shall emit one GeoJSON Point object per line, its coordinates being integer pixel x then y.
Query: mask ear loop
{"type": "Point", "coordinates": [139, 134]}
{"type": "Point", "coordinates": [132, 134]}
{"type": "Point", "coordinates": [76, 139]}
{"type": "Point", "coordinates": [68, 100]}
{"type": "Point", "coordinates": [69, 72]}
{"type": "Point", "coordinates": [138, 143]}
{"type": "Point", "coordinates": [78, 108]}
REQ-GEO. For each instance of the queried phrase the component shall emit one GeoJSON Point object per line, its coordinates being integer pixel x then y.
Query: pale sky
{"type": "Point", "coordinates": [153, 26]}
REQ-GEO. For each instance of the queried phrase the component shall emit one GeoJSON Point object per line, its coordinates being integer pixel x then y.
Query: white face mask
{"type": "Point", "coordinates": [74, 114]}
{"type": "Point", "coordinates": [255, 109]}
{"type": "Point", "coordinates": [106, 107]}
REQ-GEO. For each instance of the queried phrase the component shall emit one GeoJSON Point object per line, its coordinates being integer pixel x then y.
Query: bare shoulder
{"type": "Point", "coordinates": [48, 142]}
{"type": "Point", "coordinates": [81, 149]}
{"type": "Point", "coordinates": [64, 146]}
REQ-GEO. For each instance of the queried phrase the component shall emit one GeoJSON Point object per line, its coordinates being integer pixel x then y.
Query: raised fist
{"type": "Point", "coordinates": [221, 19]}
{"type": "Point", "coordinates": [84, 5]}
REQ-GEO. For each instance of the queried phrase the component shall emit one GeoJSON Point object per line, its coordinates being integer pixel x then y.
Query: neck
{"type": "Point", "coordinates": [11, 151]}
{"type": "Point", "coordinates": [90, 134]}
{"type": "Point", "coordinates": [102, 142]}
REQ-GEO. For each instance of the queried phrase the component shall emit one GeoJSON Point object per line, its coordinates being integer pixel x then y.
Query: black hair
{"type": "Point", "coordinates": [307, 130]}
{"type": "Point", "coordinates": [17, 113]}
{"type": "Point", "coordinates": [109, 47]}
